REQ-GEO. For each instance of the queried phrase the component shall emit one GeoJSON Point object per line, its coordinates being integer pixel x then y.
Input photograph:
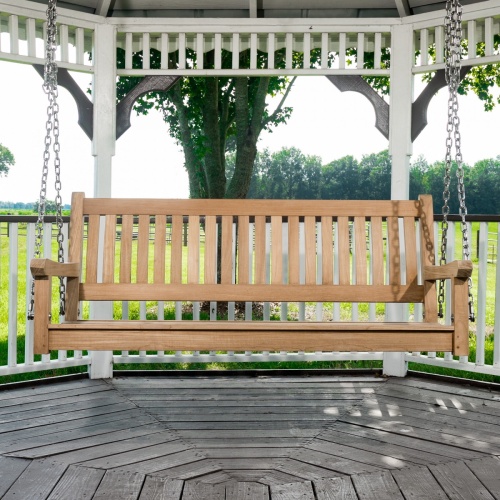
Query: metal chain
{"type": "Point", "coordinates": [453, 39]}
{"type": "Point", "coordinates": [51, 139]}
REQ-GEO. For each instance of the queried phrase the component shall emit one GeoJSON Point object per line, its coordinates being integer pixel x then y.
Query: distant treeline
{"type": "Point", "coordinates": [289, 174]}
{"type": "Point", "coordinates": [50, 206]}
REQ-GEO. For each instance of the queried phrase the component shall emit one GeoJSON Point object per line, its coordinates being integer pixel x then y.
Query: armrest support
{"type": "Point", "coordinates": [456, 269]}
{"type": "Point", "coordinates": [45, 268]}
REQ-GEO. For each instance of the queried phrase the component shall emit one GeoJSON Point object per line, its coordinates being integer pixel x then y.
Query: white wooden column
{"type": "Point", "coordinates": [400, 149]}
{"type": "Point", "coordinates": [103, 150]}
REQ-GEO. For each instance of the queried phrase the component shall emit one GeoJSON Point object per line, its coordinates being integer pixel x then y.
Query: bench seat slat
{"type": "Point", "coordinates": [338, 337]}
{"type": "Point", "coordinates": [253, 293]}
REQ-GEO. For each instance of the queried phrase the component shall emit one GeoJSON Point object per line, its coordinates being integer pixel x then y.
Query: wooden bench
{"type": "Point", "coordinates": [316, 251]}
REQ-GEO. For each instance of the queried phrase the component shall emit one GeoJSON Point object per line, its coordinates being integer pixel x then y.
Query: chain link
{"type": "Point", "coordinates": [453, 39]}
{"type": "Point", "coordinates": [51, 140]}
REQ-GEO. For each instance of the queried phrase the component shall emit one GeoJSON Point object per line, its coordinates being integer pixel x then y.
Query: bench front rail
{"type": "Point", "coordinates": [251, 251]}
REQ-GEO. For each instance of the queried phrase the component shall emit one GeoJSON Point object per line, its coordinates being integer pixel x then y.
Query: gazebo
{"type": "Point", "coordinates": [181, 437]}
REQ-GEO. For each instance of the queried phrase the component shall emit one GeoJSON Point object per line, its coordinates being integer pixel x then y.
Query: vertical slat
{"type": "Point", "coordinates": [336, 273]}
{"type": "Point", "coordinates": [344, 250]}
{"type": "Point", "coordinates": [302, 267]}
{"type": "Point", "coordinates": [92, 249]}
{"type": "Point", "coordinates": [164, 50]}
{"type": "Point", "coordinates": [488, 36]}
{"type": "Point", "coordinates": [146, 42]}
{"type": "Point", "coordinates": [325, 51]}
{"type": "Point", "coordinates": [260, 250]}
{"type": "Point", "coordinates": [236, 50]}
{"type": "Point", "coordinates": [80, 45]}
{"type": "Point", "coordinates": [30, 249]}
{"type": "Point", "coordinates": [12, 295]}
{"type": "Point", "coordinates": [276, 250]}
{"type": "Point", "coordinates": [64, 42]}
{"type": "Point", "coordinates": [284, 239]}
{"type": "Point", "coordinates": [481, 293]}
{"type": "Point", "coordinates": [377, 56]}
{"type": "Point", "coordinates": [361, 50]}
{"type": "Point", "coordinates": [360, 242]}
{"type": "Point", "coordinates": [243, 255]}
{"type": "Point", "coordinates": [271, 48]}
{"type": "Point", "coordinates": [496, 331]}
{"type": "Point", "coordinates": [327, 250]}
{"type": "Point", "coordinates": [159, 250]}
{"type": "Point", "coordinates": [410, 250]}
{"type": "Point", "coordinates": [176, 255]}
{"type": "Point", "coordinates": [14, 34]}
{"type": "Point", "coordinates": [193, 270]}
{"type": "Point", "coordinates": [200, 50]}
{"type": "Point", "coordinates": [307, 50]}
{"type": "Point", "coordinates": [293, 251]}
{"type": "Point", "coordinates": [253, 51]}
{"type": "Point", "coordinates": [218, 51]}
{"type": "Point", "coordinates": [394, 251]}
{"type": "Point", "coordinates": [289, 51]}
{"type": "Point", "coordinates": [427, 252]}
{"type": "Point", "coordinates": [108, 272]}
{"type": "Point", "coordinates": [377, 251]}
{"type": "Point", "coordinates": [471, 39]}
{"type": "Point", "coordinates": [129, 49]}
{"type": "Point", "coordinates": [126, 249]}
{"type": "Point", "coordinates": [450, 256]}
{"type": "Point", "coordinates": [342, 49]}
{"type": "Point", "coordinates": [227, 250]}
{"type": "Point", "coordinates": [267, 305]}
{"type": "Point", "coordinates": [182, 50]}
{"type": "Point", "coordinates": [310, 249]}
{"type": "Point", "coordinates": [210, 249]}
{"type": "Point", "coordinates": [424, 46]}
{"type": "Point", "coordinates": [143, 249]}
{"type": "Point", "coordinates": [31, 35]}
{"type": "Point", "coordinates": [439, 39]}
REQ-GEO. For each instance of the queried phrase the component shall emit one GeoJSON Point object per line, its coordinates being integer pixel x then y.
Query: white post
{"type": "Point", "coordinates": [103, 150]}
{"type": "Point", "coordinates": [400, 149]}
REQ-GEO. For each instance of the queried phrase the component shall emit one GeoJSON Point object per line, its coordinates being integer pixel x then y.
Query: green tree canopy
{"type": "Point", "coordinates": [6, 160]}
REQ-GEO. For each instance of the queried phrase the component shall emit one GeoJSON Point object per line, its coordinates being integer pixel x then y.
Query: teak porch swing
{"type": "Point", "coordinates": [320, 220]}
{"type": "Point", "coordinates": [398, 268]}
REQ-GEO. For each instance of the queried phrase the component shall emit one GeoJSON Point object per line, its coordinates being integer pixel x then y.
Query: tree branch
{"type": "Point", "coordinates": [280, 105]}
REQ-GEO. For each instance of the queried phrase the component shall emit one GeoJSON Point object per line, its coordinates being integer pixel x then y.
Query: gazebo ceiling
{"type": "Point", "coordinates": [255, 8]}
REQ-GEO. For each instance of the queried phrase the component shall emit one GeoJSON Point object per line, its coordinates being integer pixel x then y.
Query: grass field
{"type": "Point", "coordinates": [169, 314]}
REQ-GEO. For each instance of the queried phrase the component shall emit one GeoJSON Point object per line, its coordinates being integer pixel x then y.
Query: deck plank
{"type": "Point", "coordinates": [487, 470]}
{"type": "Point", "coordinates": [459, 483]}
{"type": "Point", "coordinates": [159, 488]}
{"type": "Point", "coordinates": [377, 486]}
{"type": "Point", "coordinates": [120, 485]}
{"type": "Point", "coordinates": [202, 491]}
{"type": "Point", "coordinates": [37, 481]}
{"type": "Point", "coordinates": [247, 491]}
{"type": "Point", "coordinates": [418, 483]}
{"type": "Point", "coordinates": [77, 483]}
{"type": "Point", "coordinates": [292, 491]}
{"type": "Point", "coordinates": [339, 488]}
{"type": "Point", "coordinates": [11, 469]}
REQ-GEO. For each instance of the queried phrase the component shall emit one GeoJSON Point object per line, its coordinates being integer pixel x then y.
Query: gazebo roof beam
{"type": "Point", "coordinates": [403, 8]}
{"type": "Point", "coordinates": [102, 7]}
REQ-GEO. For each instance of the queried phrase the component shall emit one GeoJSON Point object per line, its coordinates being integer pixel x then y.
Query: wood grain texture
{"type": "Point", "coordinates": [176, 252]}
{"type": "Point", "coordinates": [108, 273]}
{"type": "Point", "coordinates": [160, 237]}
{"type": "Point", "coordinates": [360, 245]}
{"type": "Point", "coordinates": [92, 248]}
{"type": "Point", "coordinates": [210, 276]}
{"type": "Point", "coordinates": [339, 488]}
{"type": "Point", "coordinates": [243, 250]}
{"type": "Point", "coordinates": [276, 250]}
{"type": "Point", "coordinates": [78, 483]}
{"type": "Point", "coordinates": [293, 251]}
{"type": "Point", "coordinates": [126, 249]}
{"type": "Point", "coordinates": [159, 488]}
{"type": "Point", "coordinates": [327, 250]}
{"type": "Point", "coordinates": [344, 251]}
{"type": "Point", "coordinates": [293, 491]}
{"type": "Point", "coordinates": [227, 250]}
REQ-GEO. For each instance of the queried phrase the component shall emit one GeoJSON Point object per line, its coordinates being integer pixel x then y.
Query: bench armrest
{"type": "Point", "coordinates": [455, 269]}
{"type": "Point", "coordinates": [45, 268]}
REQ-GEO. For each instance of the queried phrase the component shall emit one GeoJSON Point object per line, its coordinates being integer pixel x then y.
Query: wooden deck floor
{"type": "Point", "coordinates": [249, 438]}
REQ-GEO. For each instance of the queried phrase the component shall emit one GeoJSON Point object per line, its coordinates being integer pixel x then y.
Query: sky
{"type": "Point", "coordinates": [148, 163]}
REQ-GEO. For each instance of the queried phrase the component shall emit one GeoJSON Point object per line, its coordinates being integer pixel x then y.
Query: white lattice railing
{"type": "Point", "coordinates": [480, 30]}
{"type": "Point", "coordinates": [253, 47]}
{"type": "Point", "coordinates": [17, 240]}
{"type": "Point", "coordinates": [22, 34]}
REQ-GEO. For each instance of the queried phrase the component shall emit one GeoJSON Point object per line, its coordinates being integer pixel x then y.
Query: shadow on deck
{"type": "Point", "coordinates": [249, 438]}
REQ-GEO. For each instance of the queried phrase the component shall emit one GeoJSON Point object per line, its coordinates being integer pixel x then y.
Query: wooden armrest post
{"type": "Point", "coordinates": [460, 304]}
{"type": "Point", "coordinates": [72, 299]}
{"type": "Point", "coordinates": [43, 294]}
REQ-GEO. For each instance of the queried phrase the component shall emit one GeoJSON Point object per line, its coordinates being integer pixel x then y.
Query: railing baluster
{"type": "Point", "coordinates": [496, 346]}
{"type": "Point", "coordinates": [146, 41]}
{"type": "Point", "coordinates": [12, 296]}
{"type": "Point", "coordinates": [481, 293]}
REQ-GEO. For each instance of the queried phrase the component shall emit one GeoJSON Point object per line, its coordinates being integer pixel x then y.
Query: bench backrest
{"type": "Point", "coordinates": [270, 250]}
